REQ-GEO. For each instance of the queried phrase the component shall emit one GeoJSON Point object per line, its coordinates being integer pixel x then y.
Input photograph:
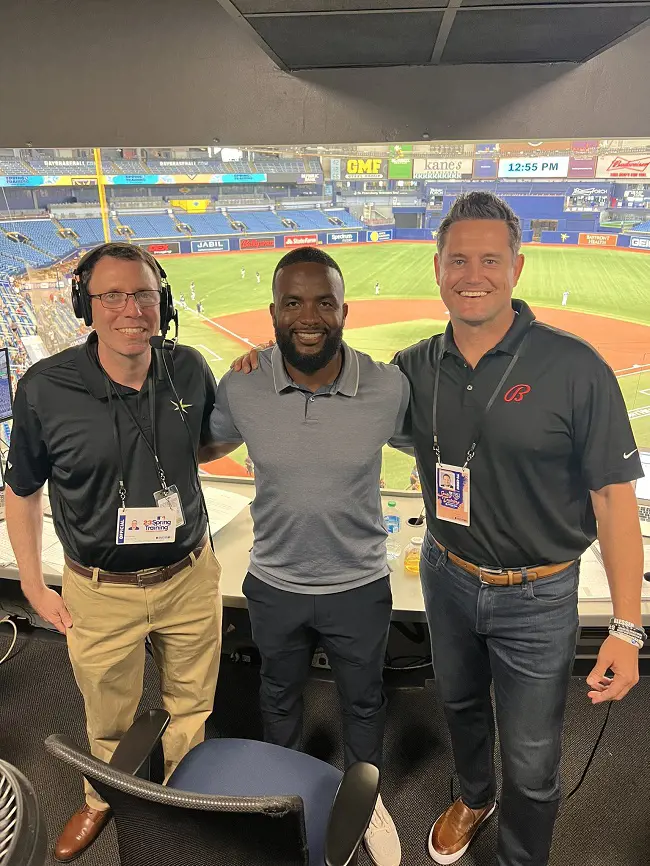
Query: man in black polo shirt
{"type": "Point", "coordinates": [116, 430]}
{"type": "Point", "coordinates": [530, 426]}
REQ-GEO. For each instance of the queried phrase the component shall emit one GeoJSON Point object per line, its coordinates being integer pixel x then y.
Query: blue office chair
{"type": "Point", "coordinates": [230, 802]}
{"type": "Point", "coordinates": [23, 835]}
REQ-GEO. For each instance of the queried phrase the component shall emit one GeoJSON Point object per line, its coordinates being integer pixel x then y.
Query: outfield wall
{"type": "Point", "coordinates": [377, 235]}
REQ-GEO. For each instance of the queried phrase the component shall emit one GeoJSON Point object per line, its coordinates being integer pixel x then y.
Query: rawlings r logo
{"type": "Point", "coordinates": [516, 394]}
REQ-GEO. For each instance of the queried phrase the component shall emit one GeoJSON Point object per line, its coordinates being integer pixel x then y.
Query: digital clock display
{"type": "Point", "coordinates": [536, 166]}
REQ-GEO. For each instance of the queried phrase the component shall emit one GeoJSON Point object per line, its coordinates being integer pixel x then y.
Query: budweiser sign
{"type": "Point", "coordinates": [620, 166]}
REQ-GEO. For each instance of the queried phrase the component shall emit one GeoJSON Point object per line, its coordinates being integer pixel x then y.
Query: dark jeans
{"type": "Point", "coordinates": [522, 639]}
{"type": "Point", "coordinates": [352, 628]}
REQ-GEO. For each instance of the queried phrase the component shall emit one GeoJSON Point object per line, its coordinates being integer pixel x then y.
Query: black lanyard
{"type": "Point", "coordinates": [479, 428]}
{"type": "Point", "coordinates": [110, 390]}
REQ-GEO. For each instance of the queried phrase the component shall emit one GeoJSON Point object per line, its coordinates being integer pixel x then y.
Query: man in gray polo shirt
{"type": "Point", "coordinates": [314, 416]}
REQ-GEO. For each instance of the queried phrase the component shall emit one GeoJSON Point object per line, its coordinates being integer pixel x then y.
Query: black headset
{"type": "Point", "coordinates": [82, 305]}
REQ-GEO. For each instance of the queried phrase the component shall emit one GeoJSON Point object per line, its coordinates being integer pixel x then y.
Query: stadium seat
{"type": "Point", "coordinates": [229, 802]}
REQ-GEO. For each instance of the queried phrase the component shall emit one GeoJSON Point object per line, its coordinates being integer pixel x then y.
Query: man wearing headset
{"type": "Point", "coordinates": [117, 430]}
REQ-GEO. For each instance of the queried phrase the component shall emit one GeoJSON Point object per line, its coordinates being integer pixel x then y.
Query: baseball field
{"type": "Point", "coordinates": [608, 305]}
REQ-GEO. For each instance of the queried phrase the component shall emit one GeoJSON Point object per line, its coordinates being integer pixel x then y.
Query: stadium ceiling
{"type": "Point", "coordinates": [328, 34]}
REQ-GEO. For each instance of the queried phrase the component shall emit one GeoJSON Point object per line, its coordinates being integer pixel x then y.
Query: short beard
{"type": "Point", "coordinates": [308, 364]}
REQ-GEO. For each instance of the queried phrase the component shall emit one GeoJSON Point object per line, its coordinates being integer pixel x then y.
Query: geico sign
{"type": "Point", "coordinates": [364, 166]}
{"type": "Point", "coordinates": [643, 243]}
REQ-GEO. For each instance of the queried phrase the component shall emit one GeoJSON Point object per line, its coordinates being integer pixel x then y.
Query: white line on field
{"type": "Point", "coordinates": [215, 357]}
{"type": "Point", "coordinates": [214, 324]}
{"type": "Point", "coordinates": [639, 412]}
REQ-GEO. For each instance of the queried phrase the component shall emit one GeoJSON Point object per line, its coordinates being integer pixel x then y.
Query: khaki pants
{"type": "Point", "coordinates": [106, 643]}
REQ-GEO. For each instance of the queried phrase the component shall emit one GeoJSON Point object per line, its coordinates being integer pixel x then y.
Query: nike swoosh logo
{"type": "Point", "coordinates": [626, 456]}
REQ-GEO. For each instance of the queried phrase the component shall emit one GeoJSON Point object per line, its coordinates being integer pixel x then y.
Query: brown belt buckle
{"type": "Point", "coordinates": [494, 571]}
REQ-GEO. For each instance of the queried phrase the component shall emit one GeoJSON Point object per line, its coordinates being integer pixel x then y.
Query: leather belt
{"type": "Point", "coordinates": [505, 576]}
{"type": "Point", "coordinates": [146, 577]}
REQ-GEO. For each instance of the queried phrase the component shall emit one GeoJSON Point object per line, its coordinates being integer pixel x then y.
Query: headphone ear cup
{"type": "Point", "coordinates": [81, 303]}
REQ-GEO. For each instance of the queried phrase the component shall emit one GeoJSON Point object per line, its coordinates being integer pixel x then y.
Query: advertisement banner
{"type": "Point", "coordinates": [400, 163]}
{"type": "Point", "coordinates": [301, 240]}
{"type": "Point", "coordinates": [179, 179]}
{"type": "Point", "coordinates": [582, 166]}
{"type": "Point", "coordinates": [162, 249]}
{"type": "Point", "coordinates": [210, 246]}
{"type": "Point", "coordinates": [585, 147]}
{"type": "Point", "coordinates": [590, 240]}
{"type": "Point", "coordinates": [379, 236]}
{"type": "Point", "coordinates": [310, 178]}
{"type": "Point", "coordinates": [343, 237]}
{"type": "Point", "coordinates": [534, 166]}
{"type": "Point", "coordinates": [485, 168]}
{"type": "Point", "coordinates": [624, 166]}
{"type": "Point", "coordinates": [532, 148]}
{"type": "Point", "coordinates": [197, 205]}
{"type": "Point", "coordinates": [442, 169]}
{"type": "Point", "coordinates": [486, 149]}
{"type": "Point", "coordinates": [366, 169]}
{"type": "Point", "coordinates": [639, 242]}
{"type": "Point", "coordinates": [46, 180]}
{"type": "Point", "coordinates": [257, 243]}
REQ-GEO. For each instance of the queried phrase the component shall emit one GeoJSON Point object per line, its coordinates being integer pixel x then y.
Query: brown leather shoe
{"type": "Point", "coordinates": [452, 833]}
{"type": "Point", "coordinates": [80, 832]}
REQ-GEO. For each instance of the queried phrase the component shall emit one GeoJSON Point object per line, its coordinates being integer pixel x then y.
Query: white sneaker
{"type": "Point", "coordinates": [382, 841]}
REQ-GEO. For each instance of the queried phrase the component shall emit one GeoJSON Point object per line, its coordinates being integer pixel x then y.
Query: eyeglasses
{"type": "Point", "coordinates": [119, 300]}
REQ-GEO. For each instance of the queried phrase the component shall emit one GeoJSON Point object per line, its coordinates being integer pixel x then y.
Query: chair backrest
{"type": "Point", "coordinates": [23, 834]}
{"type": "Point", "coordinates": [159, 826]}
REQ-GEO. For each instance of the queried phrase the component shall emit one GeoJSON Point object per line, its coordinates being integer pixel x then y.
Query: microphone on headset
{"type": "Point", "coordinates": [159, 342]}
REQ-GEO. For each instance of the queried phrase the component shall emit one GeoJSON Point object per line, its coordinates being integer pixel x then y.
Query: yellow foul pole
{"type": "Point", "coordinates": [101, 188]}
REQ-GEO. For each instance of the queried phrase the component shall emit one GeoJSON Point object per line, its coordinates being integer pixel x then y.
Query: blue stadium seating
{"type": "Point", "coordinates": [45, 235]}
{"type": "Point", "coordinates": [149, 225]}
{"type": "Point", "coordinates": [90, 231]}
{"type": "Point", "coordinates": [21, 252]}
{"type": "Point", "coordinates": [11, 166]}
{"type": "Point", "coordinates": [642, 227]}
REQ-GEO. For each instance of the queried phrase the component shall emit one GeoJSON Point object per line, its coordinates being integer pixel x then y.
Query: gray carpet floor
{"type": "Point", "coordinates": [606, 823]}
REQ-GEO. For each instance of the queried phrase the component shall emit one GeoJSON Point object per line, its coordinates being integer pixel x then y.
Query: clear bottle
{"type": "Point", "coordinates": [393, 548]}
{"type": "Point", "coordinates": [412, 555]}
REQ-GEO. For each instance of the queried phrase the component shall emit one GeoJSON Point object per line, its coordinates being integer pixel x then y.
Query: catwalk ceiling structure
{"type": "Point", "coordinates": [329, 34]}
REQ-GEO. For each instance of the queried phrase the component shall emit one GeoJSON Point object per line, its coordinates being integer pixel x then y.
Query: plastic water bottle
{"type": "Point", "coordinates": [393, 523]}
{"type": "Point", "coordinates": [392, 520]}
{"type": "Point", "coordinates": [412, 556]}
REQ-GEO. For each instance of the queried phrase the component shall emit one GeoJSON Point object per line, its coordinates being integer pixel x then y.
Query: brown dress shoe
{"type": "Point", "coordinates": [452, 833]}
{"type": "Point", "coordinates": [80, 832]}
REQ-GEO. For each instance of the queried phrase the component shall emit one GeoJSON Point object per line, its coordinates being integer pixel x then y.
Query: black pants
{"type": "Point", "coordinates": [352, 628]}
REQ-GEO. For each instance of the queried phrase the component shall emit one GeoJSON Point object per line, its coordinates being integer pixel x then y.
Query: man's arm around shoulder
{"type": "Point", "coordinates": [224, 435]}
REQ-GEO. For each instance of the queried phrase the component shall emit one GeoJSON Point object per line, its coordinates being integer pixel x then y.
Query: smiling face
{"type": "Point", "coordinates": [477, 271]}
{"type": "Point", "coordinates": [308, 314]}
{"type": "Point", "coordinates": [125, 332]}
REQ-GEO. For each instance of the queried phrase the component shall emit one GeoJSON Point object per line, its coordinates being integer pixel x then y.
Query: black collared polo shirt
{"type": "Point", "coordinates": [557, 429]}
{"type": "Point", "coordinates": [63, 433]}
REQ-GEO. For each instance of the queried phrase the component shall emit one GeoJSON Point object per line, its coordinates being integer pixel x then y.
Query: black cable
{"type": "Point", "coordinates": [584, 772]}
{"type": "Point", "coordinates": [593, 752]}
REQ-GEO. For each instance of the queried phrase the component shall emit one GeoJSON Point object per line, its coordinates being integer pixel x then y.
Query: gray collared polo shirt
{"type": "Point", "coordinates": [317, 510]}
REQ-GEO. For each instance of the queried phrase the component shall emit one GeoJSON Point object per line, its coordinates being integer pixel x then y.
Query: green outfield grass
{"type": "Point", "coordinates": [602, 282]}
